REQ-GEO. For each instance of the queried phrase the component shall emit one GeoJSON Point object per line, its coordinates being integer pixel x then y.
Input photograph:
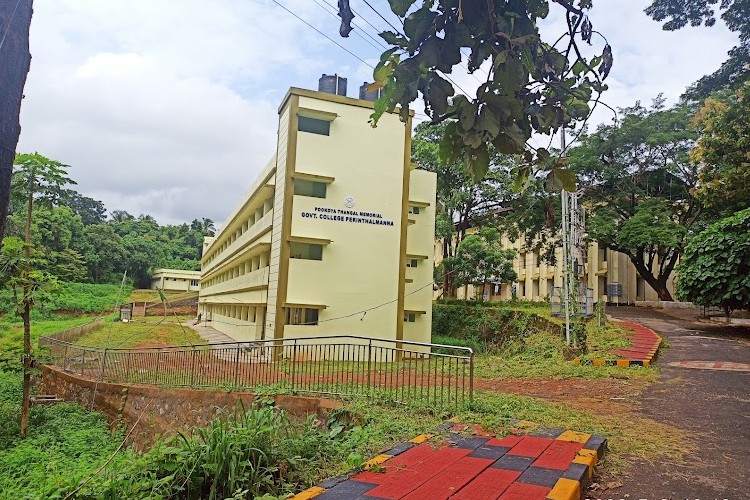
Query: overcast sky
{"type": "Point", "coordinates": [168, 107]}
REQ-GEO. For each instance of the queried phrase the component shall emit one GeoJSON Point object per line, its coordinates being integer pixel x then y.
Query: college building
{"type": "Point", "coordinates": [335, 237]}
{"type": "Point", "coordinates": [175, 280]}
{"type": "Point", "coordinates": [610, 277]}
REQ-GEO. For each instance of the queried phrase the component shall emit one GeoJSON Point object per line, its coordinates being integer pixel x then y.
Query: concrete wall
{"type": "Point", "coordinates": [162, 411]}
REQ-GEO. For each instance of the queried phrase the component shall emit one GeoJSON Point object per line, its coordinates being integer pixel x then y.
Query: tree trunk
{"type": "Point", "coordinates": [658, 283]}
{"type": "Point", "coordinates": [27, 316]}
{"type": "Point", "coordinates": [14, 66]}
{"type": "Point", "coordinates": [662, 291]}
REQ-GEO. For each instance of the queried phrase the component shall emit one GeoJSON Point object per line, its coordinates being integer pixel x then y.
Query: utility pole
{"type": "Point", "coordinates": [15, 60]}
{"type": "Point", "coordinates": [567, 271]}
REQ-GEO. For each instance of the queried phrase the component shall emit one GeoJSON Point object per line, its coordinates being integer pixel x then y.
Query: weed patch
{"type": "Point", "coordinates": [149, 331]}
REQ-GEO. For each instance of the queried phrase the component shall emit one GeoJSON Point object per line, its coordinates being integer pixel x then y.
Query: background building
{"type": "Point", "coordinates": [175, 279]}
{"type": "Point", "coordinates": [334, 237]}
{"type": "Point", "coordinates": [602, 267]}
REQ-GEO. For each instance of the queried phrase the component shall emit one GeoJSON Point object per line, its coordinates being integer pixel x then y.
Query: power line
{"type": "Point", "coordinates": [381, 17]}
{"type": "Point", "coordinates": [324, 35]}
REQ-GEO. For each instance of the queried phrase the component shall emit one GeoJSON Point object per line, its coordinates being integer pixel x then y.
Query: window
{"type": "Point", "coordinates": [412, 262]}
{"type": "Point", "coordinates": [301, 316]}
{"type": "Point", "coordinates": [313, 125]}
{"type": "Point", "coordinates": [193, 282]}
{"type": "Point", "coordinates": [308, 251]}
{"type": "Point", "coordinates": [414, 210]}
{"type": "Point", "coordinates": [410, 317]}
{"type": "Point", "coordinates": [309, 188]}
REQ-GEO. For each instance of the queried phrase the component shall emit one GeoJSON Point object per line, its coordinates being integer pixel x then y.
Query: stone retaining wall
{"type": "Point", "coordinates": [165, 410]}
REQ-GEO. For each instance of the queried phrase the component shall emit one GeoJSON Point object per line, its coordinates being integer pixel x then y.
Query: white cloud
{"type": "Point", "coordinates": [169, 107]}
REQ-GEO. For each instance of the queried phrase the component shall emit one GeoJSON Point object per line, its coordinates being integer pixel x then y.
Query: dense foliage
{"type": "Point", "coordinates": [531, 85]}
{"type": "Point", "coordinates": [75, 242]}
{"type": "Point", "coordinates": [485, 327]}
{"type": "Point", "coordinates": [723, 150]}
{"type": "Point", "coordinates": [480, 260]}
{"type": "Point", "coordinates": [65, 443]}
{"type": "Point", "coordinates": [715, 270]}
{"type": "Point", "coordinates": [639, 182]}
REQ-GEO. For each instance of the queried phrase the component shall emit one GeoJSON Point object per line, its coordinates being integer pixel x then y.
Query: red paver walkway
{"type": "Point", "coordinates": [549, 463]}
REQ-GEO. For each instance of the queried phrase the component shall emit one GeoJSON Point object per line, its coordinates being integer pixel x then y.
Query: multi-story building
{"type": "Point", "coordinates": [537, 278]}
{"type": "Point", "coordinates": [334, 237]}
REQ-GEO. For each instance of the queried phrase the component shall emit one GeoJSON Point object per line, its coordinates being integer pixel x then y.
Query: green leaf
{"type": "Point", "coordinates": [400, 7]}
{"type": "Point", "coordinates": [478, 162]}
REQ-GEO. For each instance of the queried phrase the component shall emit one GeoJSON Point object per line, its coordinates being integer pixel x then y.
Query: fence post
{"type": "Point", "coordinates": [102, 366]}
{"type": "Point", "coordinates": [158, 365]}
{"type": "Point", "coordinates": [192, 369]}
{"type": "Point", "coordinates": [65, 358]}
{"type": "Point", "coordinates": [237, 367]}
{"type": "Point", "coordinates": [471, 377]}
{"type": "Point", "coordinates": [369, 362]}
{"type": "Point", "coordinates": [294, 363]}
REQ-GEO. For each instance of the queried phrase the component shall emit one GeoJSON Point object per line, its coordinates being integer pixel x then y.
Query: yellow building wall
{"type": "Point", "coordinates": [359, 269]}
{"type": "Point", "coordinates": [604, 266]}
{"type": "Point", "coordinates": [177, 280]}
{"type": "Point", "coordinates": [356, 285]}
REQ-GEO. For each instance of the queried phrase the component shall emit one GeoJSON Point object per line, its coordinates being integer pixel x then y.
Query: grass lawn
{"type": "Point", "coordinates": [150, 331]}
{"type": "Point", "coordinates": [11, 335]}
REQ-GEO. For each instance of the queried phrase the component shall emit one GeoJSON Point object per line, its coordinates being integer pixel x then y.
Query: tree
{"type": "Point", "coordinates": [723, 150]}
{"type": "Point", "coordinates": [106, 257]}
{"type": "Point", "coordinates": [531, 86]}
{"type": "Point", "coordinates": [90, 210]}
{"type": "Point", "coordinates": [480, 260]}
{"type": "Point", "coordinates": [60, 235]}
{"type": "Point", "coordinates": [735, 14]}
{"type": "Point", "coordinates": [39, 179]}
{"type": "Point", "coordinates": [639, 183]}
{"type": "Point", "coordinates": [715, 270]}
{"type": "Point", "coordinates": [462, 202]}
{"type": "Point", "coordinates": [15, 20]}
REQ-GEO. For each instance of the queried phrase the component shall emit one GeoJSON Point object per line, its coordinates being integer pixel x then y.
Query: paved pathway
{"type": "Point", "coordinates": [550, 464]}
{"type": "Point", "coordinates": [210, 334]}
{"type": "Point", "coordinates": [712, 404]}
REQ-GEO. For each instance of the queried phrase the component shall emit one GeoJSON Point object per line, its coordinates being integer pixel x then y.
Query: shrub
{"type": "Point", "coordinates": [485, 328]}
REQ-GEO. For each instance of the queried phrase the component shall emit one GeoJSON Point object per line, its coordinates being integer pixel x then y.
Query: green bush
{"type": "Point", "coordinates": [486, 327]}
{"type": "Point", "coordinates": [65, 443]}
{"type": "Point", "coordinates": [242, 454]}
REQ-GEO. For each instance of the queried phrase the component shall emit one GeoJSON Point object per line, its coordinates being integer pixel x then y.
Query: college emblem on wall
{"type": "Point", "coordinates": [349, 202]}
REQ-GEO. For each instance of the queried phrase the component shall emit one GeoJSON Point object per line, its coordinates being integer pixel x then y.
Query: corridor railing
{"type": "Point", "coordinates": [401, 371]}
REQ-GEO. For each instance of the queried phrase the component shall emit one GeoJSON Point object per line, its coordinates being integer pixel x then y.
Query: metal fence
{"type": "Point", "coordinates": [401, 371]}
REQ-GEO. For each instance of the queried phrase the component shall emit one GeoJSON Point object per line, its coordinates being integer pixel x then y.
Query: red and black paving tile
{"type": "Point", "coordinates": [644, 344]}
{"type": "Point", "coordinates": [547, 464]}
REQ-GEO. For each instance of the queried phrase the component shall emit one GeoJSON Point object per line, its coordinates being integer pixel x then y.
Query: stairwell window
{"type": "Point", "coordinates": [313, 125]}
{"type": "Point", "coordinates": [313, 189]}
{"type": "Point", "coordinates": [307, 251]}
{"type": "Point", "coordinates": [414, 210]}
{"type": "Point", "coordinates": [301, 316]}
{"type": "Point", "coordinates": [412, 262]}
{"type": "Point", "coordinates": [410, 317]}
